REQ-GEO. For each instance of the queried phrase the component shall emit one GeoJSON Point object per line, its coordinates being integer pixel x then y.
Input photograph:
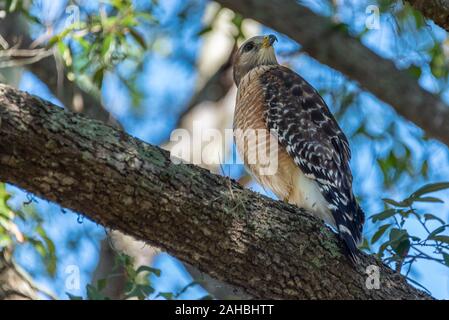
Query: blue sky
{"type": "Point", "coordinates": [168, 83]}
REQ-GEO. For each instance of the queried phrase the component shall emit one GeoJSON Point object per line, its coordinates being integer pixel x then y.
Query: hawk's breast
{"type": "Point", "coordinates": [287, 181]}
{"type": "Point", "coordinates": [249, 118]}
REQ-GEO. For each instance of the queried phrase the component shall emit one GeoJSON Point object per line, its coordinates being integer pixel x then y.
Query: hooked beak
{"type": "Point", "coordinates": [269, 40]}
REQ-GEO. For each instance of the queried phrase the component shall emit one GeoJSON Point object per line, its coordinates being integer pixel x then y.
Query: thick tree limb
{"type": "Point", "coordinates": [15, 31]}
{"type": "Point", "coordinates": [436, 10]}
{"type": "Point", "coordinates": [330, 46]}
{"type": "Point", "coordinates": [267, 248]}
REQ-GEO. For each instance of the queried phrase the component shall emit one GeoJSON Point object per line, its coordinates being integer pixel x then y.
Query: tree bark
{"type": "Point", "coordinates": [15, 31]}
{"type": "Point", "coordinates": [436, 10]}
{"type": "Point", "coordinates": [327, 44]}
{"type": "Point", "coordinates": [266, 248]}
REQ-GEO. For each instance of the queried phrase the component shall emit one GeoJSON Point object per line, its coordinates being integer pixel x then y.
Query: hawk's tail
{"type": "Point", "coordinates": [350, 226]}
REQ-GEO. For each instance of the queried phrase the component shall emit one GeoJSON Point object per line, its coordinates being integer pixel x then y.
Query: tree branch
{"type": "Point", "coordinates": [327, 44]}
{"type": "Point", "coordinates": [436, 10]}
{"type": "Point", "coordinates": [267, 248]}
{"type": "Point", "coordinates": [14, 285]}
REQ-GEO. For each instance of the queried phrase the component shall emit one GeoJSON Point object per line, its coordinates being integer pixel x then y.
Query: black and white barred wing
{"type": "Point", "coordinates": [308, 131]}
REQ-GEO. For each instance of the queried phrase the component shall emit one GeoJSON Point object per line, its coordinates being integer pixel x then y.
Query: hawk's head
{"type": "Point", "coordinates": [252, 53]}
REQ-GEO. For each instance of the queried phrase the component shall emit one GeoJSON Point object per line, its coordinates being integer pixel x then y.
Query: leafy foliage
{"type": "Point", "coordinates": [35, 235]}
{"type": "Point", "coordinates": [137, 286]}
{"type": "Point", "coordinates": [395, 241]}
{"type": "Point", "coordinates": [137, 281]}
{"type": "Point", "coordinates": [8, 229]}
{"type": "Point", "coordinates": [98, 43]}
{"type": "Point", "coordinates": [117, 35]}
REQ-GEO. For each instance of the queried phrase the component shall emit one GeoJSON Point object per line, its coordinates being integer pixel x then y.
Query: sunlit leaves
{"type": "Point", "coordinates": [438, 63]}
{"type": "Point", "coordinates": [137, 286]}
{"type": "Point", "coordinates": [404, 248]}
{"type": "Point", "coordinates": [6, 216]}
{"type": "Point", "coordinates": [37, 236]}
{"type": "Point", "coordinates": [98, 43]}
{"type": "Point", "coordinates": [137, 281]}
{"type": "Point", "coordinates": [40, 241]}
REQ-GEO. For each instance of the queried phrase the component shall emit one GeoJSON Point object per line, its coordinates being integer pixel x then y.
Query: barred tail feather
{"type": "Point", "coordinates": [350, 226]}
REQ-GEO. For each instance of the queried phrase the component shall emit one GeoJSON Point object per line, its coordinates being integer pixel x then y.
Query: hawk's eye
{"type": "Point", "coordinates": [248, 47]}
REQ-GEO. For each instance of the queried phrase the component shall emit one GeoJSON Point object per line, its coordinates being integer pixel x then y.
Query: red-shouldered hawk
{"type": "Point", "coordinates": [313, 155]}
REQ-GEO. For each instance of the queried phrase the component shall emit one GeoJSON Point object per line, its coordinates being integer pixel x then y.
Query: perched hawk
{"type": "Point", "coordinates": [313, 152]}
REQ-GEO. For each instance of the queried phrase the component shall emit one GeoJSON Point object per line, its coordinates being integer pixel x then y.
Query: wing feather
{"type": "Point", "coordinates": [312, 137]}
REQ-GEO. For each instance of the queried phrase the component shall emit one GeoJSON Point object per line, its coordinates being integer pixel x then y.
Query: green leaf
{"type": "Point", "coordinates": [138, 37]}
{"type": "Point", "coordinates": [415, 71]}
{"type": "Point", "coordinates": [419, 19]}
{"type": "Point", "coordinates": [38, 246]}
{"type": "Point", "coordinates": [73, 297]}
{"type": "Point", "coordinates": [98, 77]}
{"type": "Point", "coordinates": [397, 234]}
{"type": "Point", "coordinates": [101, 284]}
{"type": "Point", "coordinates": [5, 210]}
{"type": "Point", "coordinates": [205, 30]}
{"type": "Point", "coordinates": [53, 40]}
{"type": "Point", "coordinates": [380, 232]}
{"type": "Point", "coordinates": [191, 284]}
{"type": "Point", "coordinates": [429, 188]}
{"type": "Point", "coordinates": [13, 5]}
{"type": "Point", "coordinates": [444, 239]}
{"type": "Point", "coordinates": [428, 199]}
{"type": "Point", "coordinates": [394, 203]}
{"type": "Point", "coordinates": [399, 241]}
{"type": "Point", "coordinates": [141, 291]}
{"type": "Point", "coordinates": [148, 269]}
{"type": "Point", "coordinates": [148, 17]}
{"type": "Point", "coordinates": [94, 294]}
{"type": "Point", "coordinates": [435, 232]}
{"type": "Point", "coordinates": [106, 45]}
{"type": "Point", "coordinates": [382, 248]}
{"type": "Point", "coordinates": [383, 215]}
{"type": "Point", "coordinates": [364, 245]}
{"type": "Point", "coordinates": [50, 251]}
{"type": "Point", "coordinates": [5, 239]}
{"type": "Point", "coordinates": [166, 295]}
{"type": "Point", "coordinates": [429, 216]}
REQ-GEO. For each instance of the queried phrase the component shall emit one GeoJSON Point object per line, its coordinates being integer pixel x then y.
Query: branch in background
{"type": "Point", "coordinates": [20, 57]}
{"type": "Point", "coordinates": [72, 96]}
{"type": "Point", "coordinates": [329, 45]}
{"type": "Point", "coordinates": [15, 32]}
{"type": "Point", "coordinates": [436, 10]}
{"type": "Point", "coordinates": [14, 285]}
{"type": "Point", "coordinates": [267, 248]}
{"type": "Point", "coordinates": [216, 87]}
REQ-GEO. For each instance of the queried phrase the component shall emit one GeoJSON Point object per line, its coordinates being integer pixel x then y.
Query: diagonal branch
{"type": "Point", "coordinates": [436, 10]}
{"type": "Point", "coordinates": [267, 248]}
{"type": "Point", "coordinates": [329, 45]}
